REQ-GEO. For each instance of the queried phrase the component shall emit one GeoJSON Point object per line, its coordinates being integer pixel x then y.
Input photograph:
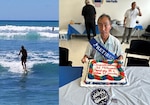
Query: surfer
{"type": "Point", "coordinates": [24, 57]}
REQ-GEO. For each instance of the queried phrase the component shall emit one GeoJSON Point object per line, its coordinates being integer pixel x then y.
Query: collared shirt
{"type": "Point", "coordinates": [112, 44]}
{"type": "Point", "coordinates": [131, 16]}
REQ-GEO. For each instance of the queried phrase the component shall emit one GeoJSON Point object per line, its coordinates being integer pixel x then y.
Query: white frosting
{"type": "Point", "coordinates": [85, 81]}
{"type": "Point", "coordinates": [101, 69]}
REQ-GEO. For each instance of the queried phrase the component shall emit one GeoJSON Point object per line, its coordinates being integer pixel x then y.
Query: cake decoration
{"type": "Point", "coordinates": [106, 72]}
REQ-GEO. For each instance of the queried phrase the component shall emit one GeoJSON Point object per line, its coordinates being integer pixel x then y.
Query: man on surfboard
{"type": "Point", "coordinates": [23, 51]}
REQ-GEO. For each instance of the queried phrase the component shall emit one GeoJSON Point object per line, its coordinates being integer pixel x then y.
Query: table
{"type": "Point", "coordinates": [78, 29]}
{"type": "Point", "coordinates": [68, 74]}
{"type": "Point", "coordinates": [136, 93]}
{"type": "Point", "coordinates": [118, 30]}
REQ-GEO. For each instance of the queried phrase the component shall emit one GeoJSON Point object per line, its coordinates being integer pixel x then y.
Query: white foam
{"type": "Point", "coordinates": [11, 31]}
{"type": "Point", "coordinates": [11, 60]}
{"type": "Point", "coordinates": [46, 34]}
{"type": "Point", "coordinates": [11, 28]}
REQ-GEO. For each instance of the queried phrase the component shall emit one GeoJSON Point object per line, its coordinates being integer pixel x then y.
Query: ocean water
{"type": "Point", "coordinates": [40, 85]}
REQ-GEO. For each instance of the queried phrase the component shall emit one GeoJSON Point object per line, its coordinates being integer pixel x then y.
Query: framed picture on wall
{"type": "Point", "coordinates": [98, 3]}
{"type": "Point", "coordinates": [114, 1]}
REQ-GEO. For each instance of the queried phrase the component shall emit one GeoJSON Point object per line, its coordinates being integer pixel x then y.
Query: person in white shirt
{"type": "Point", "coordinates": [130, 21]}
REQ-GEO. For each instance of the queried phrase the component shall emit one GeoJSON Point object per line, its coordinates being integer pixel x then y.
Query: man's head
{"type": "Point", "coordinates": [104, 25]}
{"type": "Point", "coordinates": [133, 5]}
{"type": "Point", "coordinates": [22, 47]}
{"type": "Point", "coordinates": [87, 2]}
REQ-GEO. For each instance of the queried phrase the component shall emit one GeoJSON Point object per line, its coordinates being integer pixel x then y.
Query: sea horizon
{"type": "Point", "coordinates": [52, 23]}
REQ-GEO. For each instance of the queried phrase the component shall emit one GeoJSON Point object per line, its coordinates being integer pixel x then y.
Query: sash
{"type": "Point", "coordinates": [102, 50]}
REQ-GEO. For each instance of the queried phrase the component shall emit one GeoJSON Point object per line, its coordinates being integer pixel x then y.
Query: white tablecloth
{"type": "Point", "coordinates": [118, 30]}
{"type": "Point", "coordinates": [136, 93]}
{"type": "Point", "coordinates": [78, 29]}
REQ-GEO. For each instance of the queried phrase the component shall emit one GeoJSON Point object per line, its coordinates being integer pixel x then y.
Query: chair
{"type": "Point", "coordinates": [147, 32]}
{"type": "Point", "coordinates": [138, 47]}
{"type": "Point", "coordinates": [63, 57]}
{"type": "Point", "coordinates": [138, 28]}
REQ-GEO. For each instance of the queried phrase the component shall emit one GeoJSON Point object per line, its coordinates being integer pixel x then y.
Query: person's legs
{"type": "Point", "coordinates": [22, 64]}
{"type": "Point", "coordinates": [25, 63]}
{"type": "Point", "coordinates": [87, 26]}
{"type": "Point", "coordinates": [124, 34]}
{"type": "Point", "coordinates": [93, 28]}
{"type": "Point", "coordinates": [22, 61]}
{"type": "Point", "coordinates": [129, 35]}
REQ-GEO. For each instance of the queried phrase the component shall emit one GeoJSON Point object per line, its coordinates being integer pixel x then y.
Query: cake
{"type": "Point", "coordinates": [104, 73]}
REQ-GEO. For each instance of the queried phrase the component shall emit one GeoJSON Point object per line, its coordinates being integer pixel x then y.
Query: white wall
{"type": "Point", "coordinates": [71, 10]}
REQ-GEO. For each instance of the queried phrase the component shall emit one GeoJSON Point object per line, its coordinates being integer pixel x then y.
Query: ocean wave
{"type": "Point", "coordinates": [11, 28]}
{"type": "Point", "coordinates": [11, 59]}
{"type": "Point", "coordinates": [10, 31]}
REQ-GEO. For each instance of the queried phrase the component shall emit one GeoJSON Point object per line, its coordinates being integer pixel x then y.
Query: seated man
{"type": "Point", "coordinates": [103, 46]}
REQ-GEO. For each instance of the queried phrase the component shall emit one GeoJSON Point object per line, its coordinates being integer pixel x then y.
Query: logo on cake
{"type": "Point", "coordinates": [105, 69]}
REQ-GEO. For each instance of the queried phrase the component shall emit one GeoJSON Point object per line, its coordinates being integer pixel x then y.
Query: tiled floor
{"type": "Point", "coordinates": [77, 46]}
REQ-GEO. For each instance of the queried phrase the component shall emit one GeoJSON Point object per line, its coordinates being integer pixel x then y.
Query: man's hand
{"type": "Point", "coordinates": [120, 57]}
{"type": "Point", "coordinates": [84, 59]}
{"type": "Point", "coordinates": [138, 8]}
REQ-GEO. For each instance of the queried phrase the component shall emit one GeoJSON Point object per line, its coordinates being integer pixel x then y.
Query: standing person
{"type": "Point", "coordinates": [104, 46]}
{"type": "Point", "coordinates": [89, 14]}
{"type": "Point", "coordinates": [23, 57]}
{"type": "Point", "coordinates": [130, 21]}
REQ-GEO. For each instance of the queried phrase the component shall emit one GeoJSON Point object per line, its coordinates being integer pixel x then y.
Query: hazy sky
{"type": "Point", "coordinates": [29, 9]}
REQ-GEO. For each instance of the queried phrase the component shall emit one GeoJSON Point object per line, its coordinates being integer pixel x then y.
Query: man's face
{"type": "Point", "coordinates": [104, 26]}
{"type": "Point", "coordinates": [133, 5]}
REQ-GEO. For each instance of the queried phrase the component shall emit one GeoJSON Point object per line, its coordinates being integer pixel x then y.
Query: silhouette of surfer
{"type": "Point", "coordinates": [23, 51]}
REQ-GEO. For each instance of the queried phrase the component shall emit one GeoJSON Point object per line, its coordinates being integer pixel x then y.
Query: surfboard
{"type": "Point", "coordinates": [25, 71]}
